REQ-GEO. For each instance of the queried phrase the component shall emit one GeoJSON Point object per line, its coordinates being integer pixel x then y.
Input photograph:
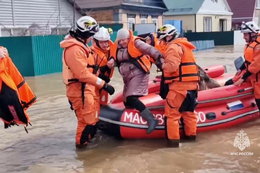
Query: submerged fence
{"type": "Point", "coordinates": [220, 38]}
{"type": "Point", "coordinates": [34, 55]}
{"type": "Point", "coordinates": [38, 55]}
{"type": "Point", "coordinates": [203, 44]}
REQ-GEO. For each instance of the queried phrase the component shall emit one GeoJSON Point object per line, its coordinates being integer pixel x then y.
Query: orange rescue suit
{"type": "Point", "coordinates": [188, 69]}
{"type": "Point", "coordinates": [101, 59]}
{"type": "Point", "coordinates": [78, 62]}
{"type": "Point", "coordinates": [252, 57]}
{"type": "Point", "coordinates": [182, 76]}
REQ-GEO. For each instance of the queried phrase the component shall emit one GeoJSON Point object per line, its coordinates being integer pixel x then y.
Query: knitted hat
{"type": "Point", "coordinates": [122, 34]}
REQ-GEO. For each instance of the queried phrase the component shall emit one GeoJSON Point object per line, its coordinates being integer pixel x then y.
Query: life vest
{"type": "Point", "coordinates": [188, 69]}
{"type": "Point", "coordinates": [68, 76]}
{"type": "Point", "coordinates": [15, 94]}
{"type": "Point", "coordinates": [161, 46]}
{"type": "Point", "coordinates": [101, 60]}
{"type": "Point", "coordinates": [136, 57]}
{"type": "Point", "coordinates": [249, 50]}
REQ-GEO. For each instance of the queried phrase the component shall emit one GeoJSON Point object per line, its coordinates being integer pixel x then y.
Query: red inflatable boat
{"type": "Point", "coordinates": [217, 108]}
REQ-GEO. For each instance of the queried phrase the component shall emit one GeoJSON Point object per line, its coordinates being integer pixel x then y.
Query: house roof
{"type": "Point", "coordinates": [90, 4]}
{"type": "Point", "coordinates": [243, 10]}
{"type": "Point", "coordinates": [181, 7]}
{"type": "Point", "coordinates": [87, 4]}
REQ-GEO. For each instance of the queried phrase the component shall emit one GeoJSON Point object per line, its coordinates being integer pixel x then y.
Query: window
{"type": "Point", "coordinates": [223, 25]}
{"type": "Point", "coordinates": [144, 18]}
{"type": "Point", "coordinates": [207, 24]}
{"type": "Point", "coordinates": [131, 21]}
{"type": "Point", "coordinates": [155, 21]}
{"type": "Point", "coordinates": [258, 4]}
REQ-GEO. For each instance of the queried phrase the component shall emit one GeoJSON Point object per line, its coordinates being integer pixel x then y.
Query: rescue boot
{"type": "Point", "coordinates": [191, 138]}
{"type": "Point", "coordinates": [81, 146]}
{"type": "Point", "coordinates": [173, 143]}
{"type": "Point", "coordinates": [152, 122]}
{"type": "Point", "coordinates": [87, 145]}
{"type": "Point", "coordinates": [87, 140]}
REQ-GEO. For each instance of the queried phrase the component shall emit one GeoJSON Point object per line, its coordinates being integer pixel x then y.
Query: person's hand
{"type": "Point", "coordinates": [159, 62]}
{"type": "Point", "coordinates": [108, 88]}
{"type": "Point", "coordinates": [111, 63]}
{"type": "Point", "coordinates": [104, 77]}
{"type": "Point", "coordinates": [3, 52]}
{"type": "Point", "coordinates": [104, 69]}
{"type": "Point", "coordinates": [239, 82]}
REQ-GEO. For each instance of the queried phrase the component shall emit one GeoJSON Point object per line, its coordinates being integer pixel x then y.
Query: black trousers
{"type": "Point", "coordinates": [134, 102]}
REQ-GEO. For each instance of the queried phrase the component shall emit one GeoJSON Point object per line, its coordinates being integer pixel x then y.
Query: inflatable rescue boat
{"type": "Point", "coordinates": [217, 108]}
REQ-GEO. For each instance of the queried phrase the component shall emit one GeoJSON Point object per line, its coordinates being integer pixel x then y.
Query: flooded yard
{"type": "Point", "coordinates": [49, 146]}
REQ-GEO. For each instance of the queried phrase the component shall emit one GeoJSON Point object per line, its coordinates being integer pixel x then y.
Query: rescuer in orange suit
{"type": "Point", "coordinates": [78, 68]}
{"type": "Point", "coordinates": [101, 47]}
{"type": "Point", "coordinates": [181, 73]}
{"type": "Point", "coordinates": [252, 58]}
{"type": "Point", "coordinates": [206, 82]}
{"type": "Point", "coordinates": [15, 94]}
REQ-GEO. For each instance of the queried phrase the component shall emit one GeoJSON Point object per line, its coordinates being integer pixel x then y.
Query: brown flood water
{"type": "Point", "coordinates": [49, 146]}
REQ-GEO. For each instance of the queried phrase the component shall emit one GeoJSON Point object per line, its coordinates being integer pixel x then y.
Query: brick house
{"type": "Point", "coordinates": [124, 12]}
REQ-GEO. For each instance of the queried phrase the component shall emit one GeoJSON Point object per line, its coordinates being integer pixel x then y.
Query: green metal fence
{"type": "Point", "coordinates": [34, 55]}
{"type": "Point", "coordinates": [220, 38]}
{"type": "Point", "coordinates": [47, 54]}
{"type": "Point", "coordinates": [38, 55]}
{"type": "Point", "coordinates": [20, 50]}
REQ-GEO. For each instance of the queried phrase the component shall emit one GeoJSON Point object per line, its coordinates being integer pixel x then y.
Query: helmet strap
{"type": "Point", "coordinates": [97, 42]}
{"type": "Point", "coordinates": [77, 37]}
{"type": "Point", "coordinates": [252, 37]}
{"type": "Point", "coordinates": [81, 36]}
{"type": "Point", "coordinates": [256, 39]}
{"type": "Point", "coordinates": [173, 37]}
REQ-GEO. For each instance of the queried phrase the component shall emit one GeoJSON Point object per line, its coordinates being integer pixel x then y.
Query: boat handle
{"type": "Point", "coordinates": [244, 89]}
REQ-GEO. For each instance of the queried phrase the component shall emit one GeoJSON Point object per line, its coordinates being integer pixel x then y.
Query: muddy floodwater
{"type": "Point", "coordinates": [49, 146]}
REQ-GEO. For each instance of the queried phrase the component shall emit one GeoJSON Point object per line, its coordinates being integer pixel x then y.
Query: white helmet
{"type": "Point", "coordinates": [249, 27]}
{"type": "Point", "coordinates": [102, 34]}
{"type": "Point", "coordinates": [166, 30]}
{"type": "Point", "coordinates": [87, 24]}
